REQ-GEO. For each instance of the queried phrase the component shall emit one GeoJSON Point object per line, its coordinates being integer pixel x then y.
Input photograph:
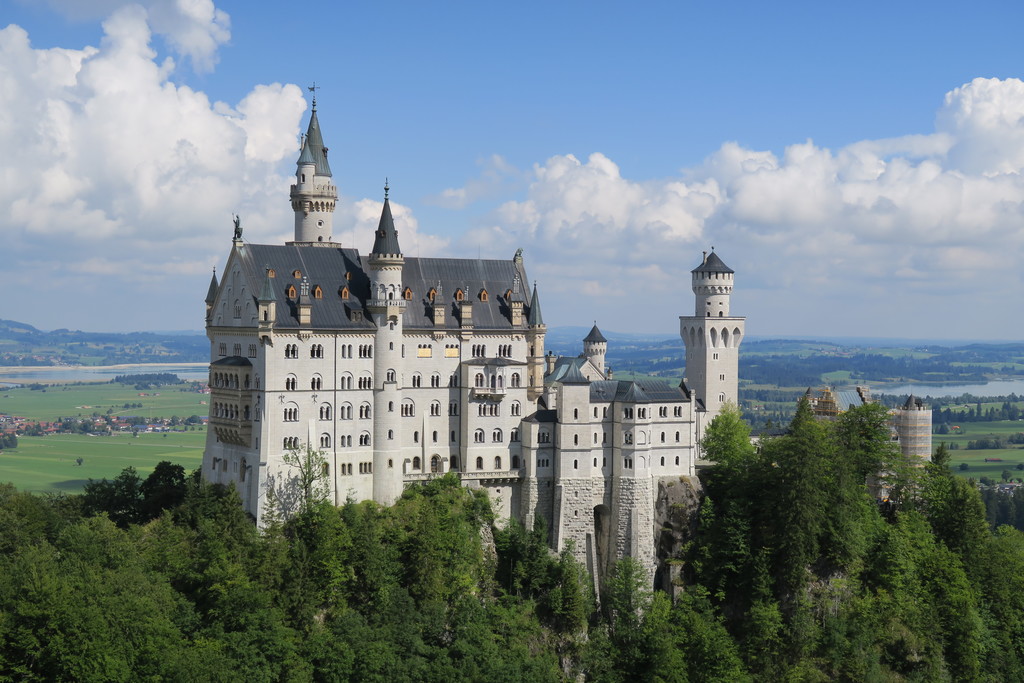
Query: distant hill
{"type": "Point", "coordinates": [23, 344]}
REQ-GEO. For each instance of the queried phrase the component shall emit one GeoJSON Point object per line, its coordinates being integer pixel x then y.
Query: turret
{"type": "Point", "coordinates": [211, 295]}
{"type": "Point", "coordinates": [712, 336]}
{"type": "Point", "coordinates": [595, 346]}
{"type": "Point", "coordinates": [267, 304]}
{"type": "Point", "coordinates": [535, 339]}
{"type": "Point", "coordinates": [387, 306]}
{"type": "Point", "coordinates": [313, 195]}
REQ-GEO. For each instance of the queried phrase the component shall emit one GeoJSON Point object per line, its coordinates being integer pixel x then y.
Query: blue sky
{"type": "Point", "coordinates": [859, 166]}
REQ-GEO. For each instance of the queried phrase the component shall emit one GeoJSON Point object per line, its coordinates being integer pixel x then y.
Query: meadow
{"type": "Point", "coordinates": [49, 463]}
{"type": "Point", "coordinates": [1009, 457]}
{"type": "Point", "coordinates": [82, 400]}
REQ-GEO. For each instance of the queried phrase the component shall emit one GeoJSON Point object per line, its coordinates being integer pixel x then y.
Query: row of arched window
{"type": "Point", "coordinates": [229, 411]}
{"type": "Point", "coordinates": [224, 380]}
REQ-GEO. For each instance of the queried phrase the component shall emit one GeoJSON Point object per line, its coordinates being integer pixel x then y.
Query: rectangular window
{"type": "Point", "coordinates": [424, 352]}
{"type": "Point", "coordinates": [451, 352]}
{"type": "Point", "coordinates": [222, 349]}
{"type": "Point", "coordinates": [237, 350]}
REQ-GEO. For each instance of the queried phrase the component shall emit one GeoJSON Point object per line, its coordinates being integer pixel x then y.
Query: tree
{"type": "Point", "coordinates": [305, 482]}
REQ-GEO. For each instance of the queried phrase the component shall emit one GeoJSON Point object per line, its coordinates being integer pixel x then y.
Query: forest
{"type": "Point", "coordinates": [792, 570]}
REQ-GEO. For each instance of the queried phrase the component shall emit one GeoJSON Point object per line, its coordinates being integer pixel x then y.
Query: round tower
{"type": "Point", "coordinates": [313, 195]}
{"type": "Point", "coordinates": [712, 337]}
{"type": "Point", "coordinates": [595, 346]}
{"type": "Point", "coordinates": [387, 307]}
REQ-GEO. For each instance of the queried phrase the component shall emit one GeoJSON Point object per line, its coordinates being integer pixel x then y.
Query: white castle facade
{"type": "Point", "coordinates": [399, 369]}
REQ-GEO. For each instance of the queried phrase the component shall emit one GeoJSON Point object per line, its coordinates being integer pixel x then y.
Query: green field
{"type": "Point", "coordinates": [47, 463]}
{"type": "Point", "coordinates": [976, 465]}
{"type": "Point", "coordinates": [82, 400]}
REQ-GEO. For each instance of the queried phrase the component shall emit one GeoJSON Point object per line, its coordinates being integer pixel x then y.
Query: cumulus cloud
{"type": "Point", "coordinates": [892, 221]}
{"type": "Point", "coordinates": [192, 28]}
{"type": "Point", "coordinates": [111, 167]}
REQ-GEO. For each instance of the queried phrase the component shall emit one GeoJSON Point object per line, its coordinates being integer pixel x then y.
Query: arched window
{"type": "Point", "coordinates": [343, 292]}
{"type": "Point", "coordinates": [479, 379]}
{"type": "Point", "coordinates": [453, 462]}
{"type": "Point", "coordinates": [497, 436]}
{"type": "Point", "coordinates": [325, 441]}
{"type": "Point", "coordinates": [435, 464]}
{"type": "Point", "coordinates": [516, 408]}
{"type": "Point", "coordinates": [479, 463]}
{"type": "Point", "coordinates": [435, 408]}
{"type": "Point", "coordinates": [325, 411]}
{"type": "Point", "coordinates": [290, 383]}
{"type": "Point", "coordinates": [317, 292]}
{"type": "Point", "coordinates": [315, 383]}
{"type": "Point", "coordinates": [483, 295]}
{"type": "Point", "coordinates": [416, 463]}
{"type": "Point", "coordinates": [459, 295]}
{"type": "Point", "coordinates": [515, 380]}
{"type": "Point", "coordinates": [417, 380]}
{"type": "Point", "coordinates": [515, 462]}
{"type": "Point", "coordinates": [497, 462]}
{"type": "Point", "coordinates": [364, 439]}
{"type": "Point", "coordinates": [478, 437]}
{"type": "Point", "coordinates": [290, 291]}
{"type": "Point", "coordinates": [391, 376]}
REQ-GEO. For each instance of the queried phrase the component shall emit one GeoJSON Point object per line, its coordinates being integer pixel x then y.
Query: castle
{"type": "Point", "coordinates": [398, 369]}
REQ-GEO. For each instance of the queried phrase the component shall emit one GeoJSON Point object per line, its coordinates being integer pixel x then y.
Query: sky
{"type": "Point", "coordinates": [859, 165]}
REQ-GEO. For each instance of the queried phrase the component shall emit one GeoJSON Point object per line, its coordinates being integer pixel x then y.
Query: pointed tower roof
{"type": "Point", "coordinates": [211, 293]}
{"type": "Point", "coordinates": [313, 149]}
{"type": "Point", "coordinates": [595, 336]}
{"type": "Point", "coordinates": [267, 292]}
{"type": "Point", "coordinates": [574, 376]}
{"type": "Point", "coordinates": [386, 238]}
{"type": "Point", "coordinates": [712, 264]}
{"type": "Point", "coordinates": [535, 318]}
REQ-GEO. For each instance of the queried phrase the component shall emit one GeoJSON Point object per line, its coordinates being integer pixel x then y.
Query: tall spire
{"type": "Point", "coordinates": [211, 293]}
{"type": "Point", "coordinates": [313, 196]}
{"type": "Point", "coordinates": [313, 147]}
{"type": "Point", "coordinates": [535, 318]}
{"type": "Point", "coordinates": [385, 240]}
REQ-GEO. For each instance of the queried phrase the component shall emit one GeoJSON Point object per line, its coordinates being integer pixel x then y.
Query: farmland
{"type": "Point", "coordinates": [48, 463]}
{"type": "Point", "coordinates": [53, 402]}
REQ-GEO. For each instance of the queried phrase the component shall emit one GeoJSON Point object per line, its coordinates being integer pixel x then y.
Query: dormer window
{"type": "Point", "coordinates": [508, 295]}
{"type": "Point", "coordinates": [296, 274]}
{"type": "Point", "coordinates": [271, 272]}
{"type": "Point", "coordinates": [407, 294]}
{"type": "Point", "coordinates": [343, 292]}
{"type": "Point", "coordinates": [431, 294]}
{"type": "Point", "coordinates": [459, 295]}
{"type": "Point", "coordinates": [318, 293]}
{"type": "Point", "coordinates": [348, 276]}
{"type": "Point", "coordinates": [483, 295]}
{"type": "Point", "coordinates": [290, 292]}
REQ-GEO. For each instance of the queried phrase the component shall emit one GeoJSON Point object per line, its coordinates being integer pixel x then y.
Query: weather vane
{"type": "Point", "coordinates": [313, 88]}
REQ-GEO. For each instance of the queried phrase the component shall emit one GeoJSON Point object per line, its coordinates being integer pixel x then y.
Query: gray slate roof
{"type": "Point", "coordinates": [314, 145]}
{"type": "Point", "coordinates": [573, 375]}
{"type": "Point", "coordinates": [326, 267]}
{"type": "Point", "coordinates": [595, 336]}
{"type": "Point", "coordinates": [712, 264]}
{"type": "Point", "coordinates": [385, 240]}
{"type": "Point", "coordinates": [233, 361]}
{"type": "Point", "coordinates": [211, 293]}
{"type": "Point", "coordinates": [535, 318]}
{"type": "Point", "coordinates": [848, 398]}
{"type": "Point", "coordinates": [637, 391]}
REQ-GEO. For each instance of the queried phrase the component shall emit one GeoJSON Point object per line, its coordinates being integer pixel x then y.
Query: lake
{"type": "Point", "coordinates": [100, 373]}
{"type": "Point", "coordinates": [997, 387]}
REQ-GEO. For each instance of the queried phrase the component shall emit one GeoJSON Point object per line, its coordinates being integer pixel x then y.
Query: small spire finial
{"type": "Point", "coordinates": [386, 188]}
{"type": "Point", "coordinates": [313, 88]}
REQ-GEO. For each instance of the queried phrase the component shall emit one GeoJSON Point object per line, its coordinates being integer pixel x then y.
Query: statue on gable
{"type": "Point", "coordinates": [238, 227]}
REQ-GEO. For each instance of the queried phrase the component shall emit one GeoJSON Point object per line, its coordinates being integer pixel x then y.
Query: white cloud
{"type": "Point", "coordinates": [112, 169]}
{"type": "Point", "coordinates": [894, 221]}
{"type": "Point", "coordinates": [193, 28]}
